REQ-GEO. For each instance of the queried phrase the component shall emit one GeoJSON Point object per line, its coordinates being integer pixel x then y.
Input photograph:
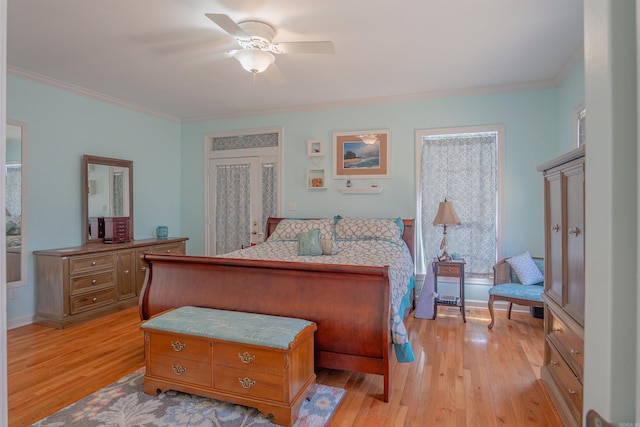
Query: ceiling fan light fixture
{"type": "Point", "coordinates": [254, 60]}
{"type": "Point", "coordinates": [369, 138]}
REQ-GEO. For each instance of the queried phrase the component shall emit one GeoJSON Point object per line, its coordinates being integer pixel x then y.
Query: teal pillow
{"type": "Point", "coordinates": [309, 242]}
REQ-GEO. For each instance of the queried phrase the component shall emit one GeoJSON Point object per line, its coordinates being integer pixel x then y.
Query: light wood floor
{"type": "Point", "coordinates": [464, 374]}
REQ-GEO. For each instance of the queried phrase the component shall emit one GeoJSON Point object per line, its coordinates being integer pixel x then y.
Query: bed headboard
{"type": "Point", "coordinates": [407, 236]}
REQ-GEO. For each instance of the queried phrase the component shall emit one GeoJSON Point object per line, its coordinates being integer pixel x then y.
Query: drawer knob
{"type": "Point", "coordinates": [177, 345]}
{"type": "Point", "coordinates": [93, 263]}
{"type": "Point", "coordinates": [144, 269]}
{"type": "Point", "coordinates": [178, 369]}
{"type": "Point", "coordinates": [571, 392]}
{"type": "Point", "coordinates": [556, 329]}
{"type": "Point", "coordinates": [246, 382]}
{"type": "Point", "coordinates": [94, 299]}
{"type": "Point", "coordinates": [126, 272]}
{"type": "Point", "coordinates": [553, 363]}
{"type": "Point", "coordinates": [93, 282]}
{"type": "Point", "coordinates": [168, 251]}
{"type": "Point", "coordinates": [246, 357]}
{"type": "Point", "coordinates": [449, 270]}
{"type": "Point", "coordinates": [574, 351]}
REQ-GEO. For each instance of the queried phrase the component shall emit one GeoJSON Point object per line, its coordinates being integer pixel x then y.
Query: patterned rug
{"type": "Point", "coordinates": [124, 404]}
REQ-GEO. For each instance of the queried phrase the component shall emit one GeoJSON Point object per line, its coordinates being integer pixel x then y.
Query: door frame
{"type": "Point", "coordinates": [244, 152]}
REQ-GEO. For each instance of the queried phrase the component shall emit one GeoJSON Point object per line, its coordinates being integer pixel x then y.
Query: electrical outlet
{"type": "Point", "coordinates": [13, 294]}
{"type": "Point", "coordinates": [292, 206]}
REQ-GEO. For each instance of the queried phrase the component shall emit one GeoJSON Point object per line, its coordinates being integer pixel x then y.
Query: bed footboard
{"type": "Point", "coordinates": [350, 304]}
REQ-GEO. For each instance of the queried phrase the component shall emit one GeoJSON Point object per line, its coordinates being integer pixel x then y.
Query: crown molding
{"type": "Point", "coordinates": [362, 102]}
{"type": "Point", "coordinates": [347, 103]}
{"type": "Point", "coordinates": [569, 65]}
{"type": "Point", "coordinates": [59, 84]}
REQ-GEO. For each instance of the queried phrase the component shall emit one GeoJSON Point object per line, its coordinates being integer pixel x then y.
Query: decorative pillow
{"type": "Point", "coordinates": [309, 243]}
{"type": "Point", "coordinates": [369, 229]}
{"type": "Point", "coordinates": [527, 271]}
{"type": "Point", "coordinates": [288, 229]}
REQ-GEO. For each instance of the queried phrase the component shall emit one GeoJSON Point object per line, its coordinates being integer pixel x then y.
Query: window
{"type": "Point", "coordinates": [461, 165]}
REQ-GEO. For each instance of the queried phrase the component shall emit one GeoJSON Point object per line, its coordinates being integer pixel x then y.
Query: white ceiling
{"type": "Point", "coordinates": [167, 58]}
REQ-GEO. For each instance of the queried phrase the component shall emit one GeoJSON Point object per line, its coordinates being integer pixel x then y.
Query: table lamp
{"type": "Point", "coordinates": [445, 216]}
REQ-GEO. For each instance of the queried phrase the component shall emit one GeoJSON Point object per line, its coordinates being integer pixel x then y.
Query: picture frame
{"type": "Point", "coordinates": [579, 125]}
{"type": "Point", "coordinates": [315, 148]}
{"type": "Point", "coordinates": [361, 154]}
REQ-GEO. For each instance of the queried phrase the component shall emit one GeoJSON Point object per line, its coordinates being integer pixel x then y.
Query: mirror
{"type": "Point", "coordinates": [15, 203]}
{"type": "Point", "coordinates": [107, 191]}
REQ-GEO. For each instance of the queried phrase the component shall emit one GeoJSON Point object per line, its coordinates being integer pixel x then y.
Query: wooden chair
{"type": "Point", "coordinates": [507, 287]}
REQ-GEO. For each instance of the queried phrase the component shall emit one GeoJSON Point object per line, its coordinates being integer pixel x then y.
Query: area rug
{"type": "Point", "coordinates": [124, 404]}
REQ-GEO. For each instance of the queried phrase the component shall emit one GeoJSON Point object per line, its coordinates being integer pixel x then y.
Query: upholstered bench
{"type": "Point", "coordinates": [508, 287]}
{"type": "Point", "coordinates": [249, 359]}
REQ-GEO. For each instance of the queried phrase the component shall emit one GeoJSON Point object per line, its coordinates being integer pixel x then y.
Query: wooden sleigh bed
{"type": "Point", "coordinates": [349, 303]}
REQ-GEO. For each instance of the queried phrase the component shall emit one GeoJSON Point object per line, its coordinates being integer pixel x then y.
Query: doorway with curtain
{"type": "Point", "coordinates": [242, 188]}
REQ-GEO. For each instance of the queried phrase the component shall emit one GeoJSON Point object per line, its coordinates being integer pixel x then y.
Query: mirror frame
{"type": "Point", "coordinates": [24, 254]}
{"type": "Point", "coordinates": [106, 161]}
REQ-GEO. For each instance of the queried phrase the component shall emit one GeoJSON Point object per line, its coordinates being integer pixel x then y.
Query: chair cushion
{"type": "Point", "coordinates": [517, 290]}
{"type": "Point", "coordinates": [527, 271]}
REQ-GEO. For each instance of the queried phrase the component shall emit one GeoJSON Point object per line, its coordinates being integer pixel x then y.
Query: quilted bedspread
{"type": "Point", "coordinates": [359, 252]}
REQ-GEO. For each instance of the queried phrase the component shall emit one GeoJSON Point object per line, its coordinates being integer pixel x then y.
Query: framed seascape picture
{"type": "Point", "coordinates": [363, 154]}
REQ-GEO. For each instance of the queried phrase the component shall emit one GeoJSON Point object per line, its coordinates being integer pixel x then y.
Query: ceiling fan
{"type": "Point", "coordinates": [256, 47]}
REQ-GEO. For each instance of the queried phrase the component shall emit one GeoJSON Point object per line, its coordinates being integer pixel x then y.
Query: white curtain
{"type": "Point", "coordinates": [462, 169]}
{"type": "Point", "coordinates": [233, 208]}
{"type": "Point", "coordinates": [13, 173]}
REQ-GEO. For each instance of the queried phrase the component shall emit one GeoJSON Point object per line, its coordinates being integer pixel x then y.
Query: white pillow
{"type": "Point", "coordinates": [526, 269]}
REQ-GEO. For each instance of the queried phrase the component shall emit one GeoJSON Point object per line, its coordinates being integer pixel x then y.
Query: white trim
{"type": "Point", "coordinates": [419, 134]}
{"type": "Point", "coordinates": [575, 117]}
{"type": "Point", "coordinates": [260, 152]}
{"type": "Point", "coordinates": [69, 87]}
{"type": "Point", "coordinates": [4, 406]}
{"type": "Point", "coordinates": [394, 99]}
{"type": "Point", "coordinates": [17, 322]}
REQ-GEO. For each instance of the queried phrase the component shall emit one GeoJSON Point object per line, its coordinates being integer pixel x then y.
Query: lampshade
{"type": "Point", "coordinates": [369, 138]}
{"type": "Point", "coordinates": [254, 60]}
{"type": "Point", "coordinates": [446, 215]}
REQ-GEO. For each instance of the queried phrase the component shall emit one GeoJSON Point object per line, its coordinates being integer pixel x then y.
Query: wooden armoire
{"type": "Point", "coordinates": [562, 372]}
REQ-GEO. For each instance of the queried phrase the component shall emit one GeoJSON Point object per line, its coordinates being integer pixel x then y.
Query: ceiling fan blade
{"type": "Point", "coordinates": [305, 47]}
{"type": "Point", "coordinates": [274, 75]}
{"type": "Point", "coordinates": [228, 24]}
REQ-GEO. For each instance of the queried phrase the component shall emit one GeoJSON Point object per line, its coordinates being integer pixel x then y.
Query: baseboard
{"type": "Point", "coordinates": [19, 321]}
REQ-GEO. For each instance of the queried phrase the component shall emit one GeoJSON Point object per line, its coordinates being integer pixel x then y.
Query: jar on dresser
{"type": "Point", "coordinates": [74, 285]}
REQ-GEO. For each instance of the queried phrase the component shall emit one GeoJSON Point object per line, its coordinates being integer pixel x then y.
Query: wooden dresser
{"type": "Point", "coordinates": [562, 372]}
{"type": "Point", "coordinates": [74, 285]}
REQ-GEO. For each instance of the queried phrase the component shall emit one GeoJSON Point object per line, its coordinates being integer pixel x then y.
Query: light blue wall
{"type": "Point", "coordinates": [62, 126]}
{"type": "Point", "coordinates": [169, 160]}
{"type": "Point", "coordinates": [531, 129]}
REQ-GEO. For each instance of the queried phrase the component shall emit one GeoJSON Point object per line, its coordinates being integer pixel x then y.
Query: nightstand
{"type": "Point", "coordinates": [449, 268]}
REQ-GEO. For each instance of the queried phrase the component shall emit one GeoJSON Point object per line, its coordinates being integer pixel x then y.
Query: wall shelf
{"type": "Point", "coordinates": [315, 177]}
{"type": "Point", "coordinates": [360, 190]}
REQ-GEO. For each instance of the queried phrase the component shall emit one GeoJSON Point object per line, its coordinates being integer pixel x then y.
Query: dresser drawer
{"type": "Point", "coordinates": [566, 381]}
{"type": "Point", "coordinates": [180, 346]}
{"type": "Point", "coordinates": [175, 368]}
{"type": "Point", "coordinates": [249, 358]}
{"type": "Point", "coordinates": [566, 340]}
{"type": "Point", "coordinates": [449, 270]}
{"type": "Point", "coordinates": [98, 281]}
{"type": "Point", "coordinates": [91, 300]}
{"type": "Point", "coordinates": [88, 264]}
{"type": "Point", "coordinates": [170, 248]}
{"type": "Point", "coordinates": [249, 383]}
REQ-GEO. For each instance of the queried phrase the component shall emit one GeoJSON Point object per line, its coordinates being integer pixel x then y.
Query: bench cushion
{"type": "Point", "coordinates": [517, 290]}
{"type": "Point", "coordinates": [233, 326]}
